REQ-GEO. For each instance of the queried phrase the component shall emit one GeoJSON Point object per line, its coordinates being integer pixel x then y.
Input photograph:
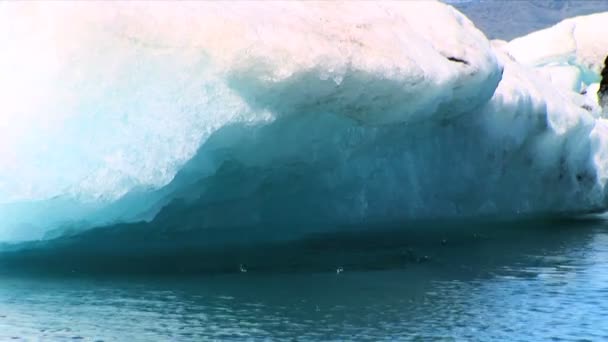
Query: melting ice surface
{"type": "Point", "coordinates": [296, 116]}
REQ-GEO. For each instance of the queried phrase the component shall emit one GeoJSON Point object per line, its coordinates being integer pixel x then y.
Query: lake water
{"type": "Point", "coordinates": [529, 282]}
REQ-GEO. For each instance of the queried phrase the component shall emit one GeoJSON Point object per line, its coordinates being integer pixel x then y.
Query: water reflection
{"type": "Point", "coordinates": [524, 283]}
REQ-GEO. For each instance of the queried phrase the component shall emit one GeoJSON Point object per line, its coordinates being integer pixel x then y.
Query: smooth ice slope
{"type": "Point", "coordinates": [295, 116]}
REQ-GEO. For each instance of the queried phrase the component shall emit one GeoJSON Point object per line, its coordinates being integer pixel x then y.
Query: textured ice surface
{"type": "Point", "coordinates": [294, 115]}
{"type": "Point", "coordinates": [578, 42]}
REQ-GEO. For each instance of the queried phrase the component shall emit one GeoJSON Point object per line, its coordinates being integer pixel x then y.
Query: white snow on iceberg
{"type": "Point", "coordinates": [571, 53]}
{"type": "Point", "coordinates": [294, 115]}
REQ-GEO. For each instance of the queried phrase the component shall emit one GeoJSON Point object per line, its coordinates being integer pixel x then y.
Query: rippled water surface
{"type": "Point", "coordinates": [523, 284]}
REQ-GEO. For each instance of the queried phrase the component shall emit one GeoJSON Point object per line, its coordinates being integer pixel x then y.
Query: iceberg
{"type": "Point", "coordinates": [298, 116]}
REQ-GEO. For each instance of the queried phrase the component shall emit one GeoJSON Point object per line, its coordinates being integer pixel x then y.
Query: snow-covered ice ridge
{"type": "Point", "coordinates": [307, 114]}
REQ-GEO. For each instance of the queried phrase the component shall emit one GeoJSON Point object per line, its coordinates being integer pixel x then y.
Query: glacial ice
{"type": "Point", "coordinates": [299, 116]}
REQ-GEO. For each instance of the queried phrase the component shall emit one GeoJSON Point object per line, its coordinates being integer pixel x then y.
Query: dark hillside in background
{"type": "Point", "coordinates": [508, 19]}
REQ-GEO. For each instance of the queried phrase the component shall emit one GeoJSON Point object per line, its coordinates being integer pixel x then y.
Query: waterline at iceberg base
{"type": "Point", "coordinates": [475, 285]}
{"type": "Point", "coordinates": [443, 248]}
{"type": "Point", "coordinates": [158, 129]}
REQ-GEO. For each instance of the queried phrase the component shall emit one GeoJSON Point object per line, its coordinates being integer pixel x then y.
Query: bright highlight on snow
{"type": "Point", "coordinates": [322, 114]}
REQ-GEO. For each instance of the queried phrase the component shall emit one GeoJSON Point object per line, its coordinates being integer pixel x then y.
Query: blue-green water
{"type": "Point", "coordinates": [520, 284]}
